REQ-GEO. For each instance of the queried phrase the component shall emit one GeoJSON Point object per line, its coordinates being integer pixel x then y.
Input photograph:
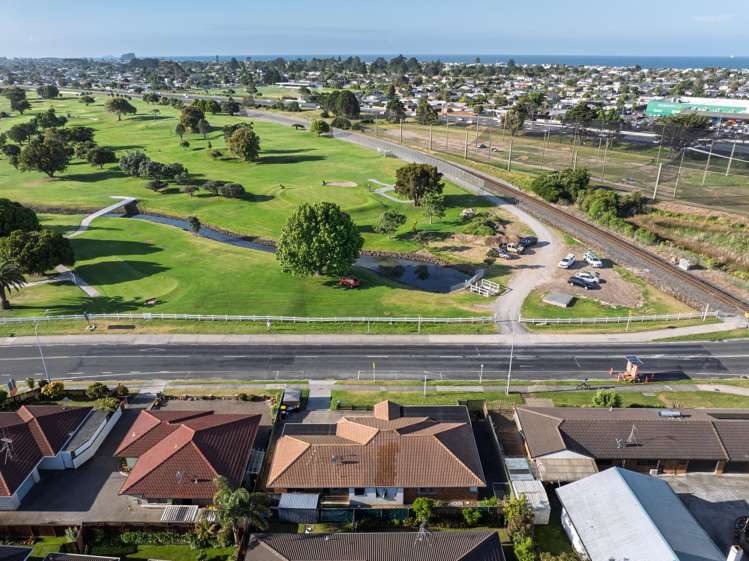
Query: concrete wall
{"type": "Point", "coordinates": [577, 543]}
{"type": "Point", "coordinates": [86, 451]}
{"type": "Point", "coordinates": [14, 501]}
{"type": "Point", "coordinates": [370, 498]}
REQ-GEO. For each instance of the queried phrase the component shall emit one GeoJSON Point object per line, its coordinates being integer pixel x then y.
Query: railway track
{"type": "Point", "coordinates": [543, 210]}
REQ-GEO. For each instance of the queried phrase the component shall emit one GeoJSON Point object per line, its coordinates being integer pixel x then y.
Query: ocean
{"type": "Point", "coordinates": [738, 62]}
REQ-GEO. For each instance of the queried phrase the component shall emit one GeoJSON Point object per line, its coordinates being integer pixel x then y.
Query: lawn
{"type": "Point", "coordinates": [585, 398]}
{"type": "Point", "coordinates": [167, 552]}
{"type": "Point", "coordinates": [688, 400]}
{"type": "Point", "coordinates": [740, 333]}
{"type": "Point", "coordinates": [365, 399]}
{"type": "Point", "coordinates": [130, 261]}
{"type": "Point", "coordinates": [290, 171]}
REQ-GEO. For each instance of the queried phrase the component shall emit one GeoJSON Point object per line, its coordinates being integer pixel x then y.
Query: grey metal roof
{"type": "Point", "coordinates": [621, 514]}
{"type": "Point", "coordinates": [307, 501]}
{"type": "Point", "coordinates": [14, 553]}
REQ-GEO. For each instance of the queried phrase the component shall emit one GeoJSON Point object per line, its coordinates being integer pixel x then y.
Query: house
{"type": "Point", "coordinates": [14, 553]}
{"type": "Point", "coordinates": [40, 437]}
{"type": "Point", "coordinates": [389, 458]}
{"type": "Point", "coordinates": [394, 546]}
{"type": "Point", "coordinates": [175, 456]}
{"type": "Point", "coordinates": [567, 444]}
{"type": "Point", "coordinates": [621, 514]}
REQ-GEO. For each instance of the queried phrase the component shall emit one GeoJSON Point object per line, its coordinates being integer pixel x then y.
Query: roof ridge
{"type": "Point", "coordinates": [171, 453]}
{"type": "Point", "coordinates": [487, 536]}
{"type": "Point", "coordinates": [293, 461]}
{"type": "Point", "coordinates": [449, 451]}
{"type": "Point", "coordinates": [542, 414]}
{"type": "Point", "coordinates": [720, 440]}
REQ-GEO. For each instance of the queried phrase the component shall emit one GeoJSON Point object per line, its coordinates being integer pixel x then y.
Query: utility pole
{"type": "Point", "coordinates": [478, 119]}
{"type": "Point", "coordinates": [509, 154]}
{"type": "Point", "coordinates": [430, 137]}
{"type": "Point", "coordinates": [574, 159]}
{"type": "Point", "coordinates": [707, 164]}
{"type": "Point", "coordinates": [605, 155]}
{"type": "Point", "coordinates": [425, 385]}
{"type": "Point", "coordinates": [657, 180]}
{"type": "Point", "coordinates": [730, 159]}
{"type": "Point", "coordinates": [543, 147]}
{"type": "Point", "coordinates": [447, 133]}
{"type": "Point", "coordinates": [678, 172]}
{"type": "Point", "coordinates": [401, 131]}
{"type": "Point", "coordinates": [41, 353]}
{"type": "Point", "coordinates": [481, 375]}
{"type": "Point", "coordinates": [489, 157]}
{"type": "Point", "coordinates": [660, 145]}
{"type": "Point", "coordinates": [465, 146]}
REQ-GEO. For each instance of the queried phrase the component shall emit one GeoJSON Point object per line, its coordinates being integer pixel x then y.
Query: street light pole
{"type": "Point", "coordinates": [481, 375]}
{"type": "Point", "coordinates": [41, 353]}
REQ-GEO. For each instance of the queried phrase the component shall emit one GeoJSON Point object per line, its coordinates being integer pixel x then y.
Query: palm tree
{"type": "Point", "coordinates": [239, 509]}
{"type": "Point", "coordinates": [10, 278]}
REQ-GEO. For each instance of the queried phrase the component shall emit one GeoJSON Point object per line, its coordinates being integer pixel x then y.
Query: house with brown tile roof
{"type": "Point", "coordinates": [34, 438]}
{"type": "Point", "coordinates": [567, 444]}
{"type": "Point", "coordinates": [177, 455]}
{"type": "Point", "coordinates": [394, 546]}
{"type": "Point", "coordinates": [391, 457]}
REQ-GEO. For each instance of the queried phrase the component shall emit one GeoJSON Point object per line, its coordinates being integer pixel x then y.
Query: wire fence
{"type": "Point", "coordinates": [703, 316]}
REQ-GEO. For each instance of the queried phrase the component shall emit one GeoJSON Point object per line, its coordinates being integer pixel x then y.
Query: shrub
{"type": "Point", "coordinates": [524, 548]}
{"type": "Point", "coordinates": [341, 123]}
{"type": "Point", "coordinates": [607, 398]}
{"type": "Point", "coordinates": [3, 397]}
{"type": "Point", "coordinates": [156, 185]}
{"type": "Point", "coordinates": [231, 191]}
{"type": "Point", "coordinates": [423, 508]}
{"type": "Point", "coordinates": [319, 127]}
{"type": "Point", "coordinates": [212, 187]}
{"type": "Point", "coordinates": [216, 154]}
{"type": "Point", "coordinates": [243, 397]}
{"type": "Point", "coordinates": [472, 516]}
{"type": "Point", "coordinates": [97, 390]}
{"type": "Point", "coordinates": [138, 537]}
{"type": "Point", "coordinates": [324, 114]}
{"type": "Point", "coordinates": [107, 404]}
{"type": "Point", "coordinates": [53, 390]}
{"type": "Point", "coordinates": [121, 390]}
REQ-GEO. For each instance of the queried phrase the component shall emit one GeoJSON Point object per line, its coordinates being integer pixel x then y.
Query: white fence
{"type": "Point", "coordinates": [703, 316]}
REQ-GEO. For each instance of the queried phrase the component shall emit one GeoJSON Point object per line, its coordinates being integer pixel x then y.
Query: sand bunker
{"type": "Point", "coordinates": [339, 184]}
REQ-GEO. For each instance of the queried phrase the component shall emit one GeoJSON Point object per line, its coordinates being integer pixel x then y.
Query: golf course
{"type": "Point", "coordinates": [132, 261]}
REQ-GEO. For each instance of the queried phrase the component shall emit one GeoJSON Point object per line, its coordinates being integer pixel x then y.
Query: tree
{"type": "Point", "coordinates": [30, 383]}
{"type": "Point", "coordinates": [179, 130]}
{"type": "Point", "coordinates": [97, 390]}
{"type": "Point", "coordinates": [423, 508]}
{"type": "Point", "coordinates": [101, 155]}
{"type": "Point", "coordinates": [121, 390]}
{"type": "Point", "coordinates": [36, 253]}
{"type": "Point", "coordinates": [22, 132]}
{"type": "Point", "coordinates": [195, 224]}
{"type": "Point", "coordinates": [229, 106]}
{"type": "Point", "coordinates": [239, 509]}
{"type": "Point", "coordinates": [77, 134]}
{"type": "Point", "coordinates": [17, 98]}
{"type": "Point", "coordinates": [341, 123]}
{"type": "Point", "coordinates": [607, 399]}
{"type": "Point", "coordinates": [13, 153]}
{"type": "Point", "coordinates": [319, 127]}
{"type": "Point", "coordinates": [49, 120]}
{"type": "Point", "coordinates": [518, 516]}
{"type": "Point", "coordinates": [190, 189]}
{"type": "Point", "coordinates": [120, 106]}
{"type": "Point", "coordinates": [319, 239]}
{"type": "Point", "coordinates": [47, 154]}
{"type": "Point", "coordinates": [513, 121]}
{"type": "Point", "coordinates": [156, 185]}
{"type": "Point", "coordinates": [190, 116]}
{"type": "Point", "coordinates": [425, 113]}
{"type": "Point", "coordinates": [48, 92]}
{"type": "Point", "coordinates": [11, 278]}
{"type": "Point", "coordinates": [395, 112]}
{"type": "Point", "coordinates": [54, 390]}
{"type": "Point", "coordinates": [472, 516]}
{"type": "Point", "coordinates": [433, 204]}
{"type": "Point", "coordinates": [14, 216]}
{"type": "Point", "coordinates": [524, 548]}
{"type": "Point", "coordinates": [231, 191]}
{"type": "Point", "coordinates": [244, 143]}
{"type": "Point", "coordinates": [346, 105]}
{"type": "Point", "coordinates": [390, 221]}
{"type": "Point", "coordinates": [86, 99]}
{"type": "Point", "coordinates": [416, 180]}
{"type": "Point", "coordinates": [204, 127]}
{"type": "Point", "coordinates": [680, 131]}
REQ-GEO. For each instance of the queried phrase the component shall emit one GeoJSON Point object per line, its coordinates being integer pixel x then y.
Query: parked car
{"type": "Point", "coordinates": [528, 241]}
{"type": "Point", "coordinates": [504, 254]}
{"type": "Point", "coordinates": [584, 283]}
{"type": "Point", "coordinates": [349, 282]}
{"type": "Point", "coordinates": [592, 259]}
{"type": "Point", "coordinates": [515, 247]}
{"type": "Point", "coordinates": [567, 261]}
{"type": "Point", "coordinates": [588, 276]}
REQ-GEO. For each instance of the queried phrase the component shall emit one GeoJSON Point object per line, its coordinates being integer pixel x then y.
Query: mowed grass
{"type": "Point", "coordinates": [360, 399]}
{"type": "Point", "coordinates": [291, 169]}
{"type": "Point", "coordinates": [130, 261]}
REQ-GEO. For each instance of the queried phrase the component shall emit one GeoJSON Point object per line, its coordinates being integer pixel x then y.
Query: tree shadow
{"type": "Point", "coordinates": [257, 198]}
{"type": "Point", "coordinates": [87, 248]}
{"type": "Point", "coordinates": [127, 147]}
{"type": "Point", "coordinates": [289, 159]}
{"type": "Point", "coordinates": [88, 304]}
{"type": "Point", "coordinates": [101, 175]}
{"type": "Point", "coordinates": [149, 118]}
{"type": "Point", "coordinates": [466, 201]}
{"type": "Point", "coordinates": [294, 151]}
{"type": "Point", "coordinates": [121, 271]}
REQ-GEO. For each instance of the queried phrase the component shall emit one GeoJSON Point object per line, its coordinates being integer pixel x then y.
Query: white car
{"type": "Point", "coordinates": [593, 260]}
{"type": "Point", "coordinates": [568, 261]}
{"type": "Point", "coordinates": [588, 276]}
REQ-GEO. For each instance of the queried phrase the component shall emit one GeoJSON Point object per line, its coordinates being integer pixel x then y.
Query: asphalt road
{"type": "Point", "coordinates": [391, 362]}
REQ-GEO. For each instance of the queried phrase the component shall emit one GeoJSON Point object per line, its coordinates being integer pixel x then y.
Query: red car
{"type": "Point", "coordinates": [349, 282]}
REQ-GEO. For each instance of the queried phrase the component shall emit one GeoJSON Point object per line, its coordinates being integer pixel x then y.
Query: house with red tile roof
{"type": "Point", "coordinates": [37, 437]}
{"type": "Point", "coordinates": [175, 456]}
{"type": "Point", "coordinates": [389, 458]}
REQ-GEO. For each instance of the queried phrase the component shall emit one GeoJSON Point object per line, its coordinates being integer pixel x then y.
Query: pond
{"type": "Point", "coordinates": [424, 276]}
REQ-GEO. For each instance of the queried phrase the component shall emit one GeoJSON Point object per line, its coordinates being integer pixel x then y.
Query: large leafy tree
{"type": "Point", "coordinates": [244, 143]}
{"type": "Point", "coordinates": [680, 131]}
{"type": "Point", "coordinates": [319, 239]}
{"type": "Point", "coordinates": [394, 111]}
{"type": "Point", "coordinates": [15, 216]}
{"type": "Point", "coordinates": [239, 509]}
{"type": "Point", "coordinates": [425, 113]}
{"type": "Point", "coordinates": [36, 252]}
{"type": "Point", "coordinates": [346, 105]}
{"type": "Point", "coordinates": [390, 221]}
{"type": "Point", "coordinates": [22, 132]}
{"type": "Point", "coordinates": [17, 98]}
{"type": "Point", "coordinates": [120, 106]}
{"type": "Point", "coordinates": [47, 154]}
{"type": "Point", "coordinates": [49, 120]}
{"type": "Point", "coordinates": [416, 180]}
{"type": "Point", "coordinates": [101, 155]}
{"type": "Point", "coordinates": [11, 278]}
{"type": "Point", "coordinates": [190, 117]}
{"type": "Point", "coordinates": [433, 204]}
{"type": "Point", "coordinates": [50, 91]}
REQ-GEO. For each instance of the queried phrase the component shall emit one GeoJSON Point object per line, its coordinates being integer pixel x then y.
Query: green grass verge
{"type": "Point", "coordinates": [366, 398]}
{"type": "Point", "coordinates": [740, 333]}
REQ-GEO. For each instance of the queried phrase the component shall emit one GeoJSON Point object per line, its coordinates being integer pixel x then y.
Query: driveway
{"type": "Point", "coordinates": [716, 501]}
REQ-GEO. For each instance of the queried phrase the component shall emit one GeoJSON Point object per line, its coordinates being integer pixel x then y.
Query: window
{"type": "Point", "coordinates": [426, 491]}
{"type": "Point", "coordinates": [360, 492]}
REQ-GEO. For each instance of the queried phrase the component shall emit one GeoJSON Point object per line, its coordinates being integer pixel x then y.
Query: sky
{"type": "Point", "coordinates": [94, 28]}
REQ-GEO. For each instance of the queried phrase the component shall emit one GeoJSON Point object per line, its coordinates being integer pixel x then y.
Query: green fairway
{"type": "Point", "coordinates": [130, 261]}
{"type": "Point", "coordinates": [291, 169]}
